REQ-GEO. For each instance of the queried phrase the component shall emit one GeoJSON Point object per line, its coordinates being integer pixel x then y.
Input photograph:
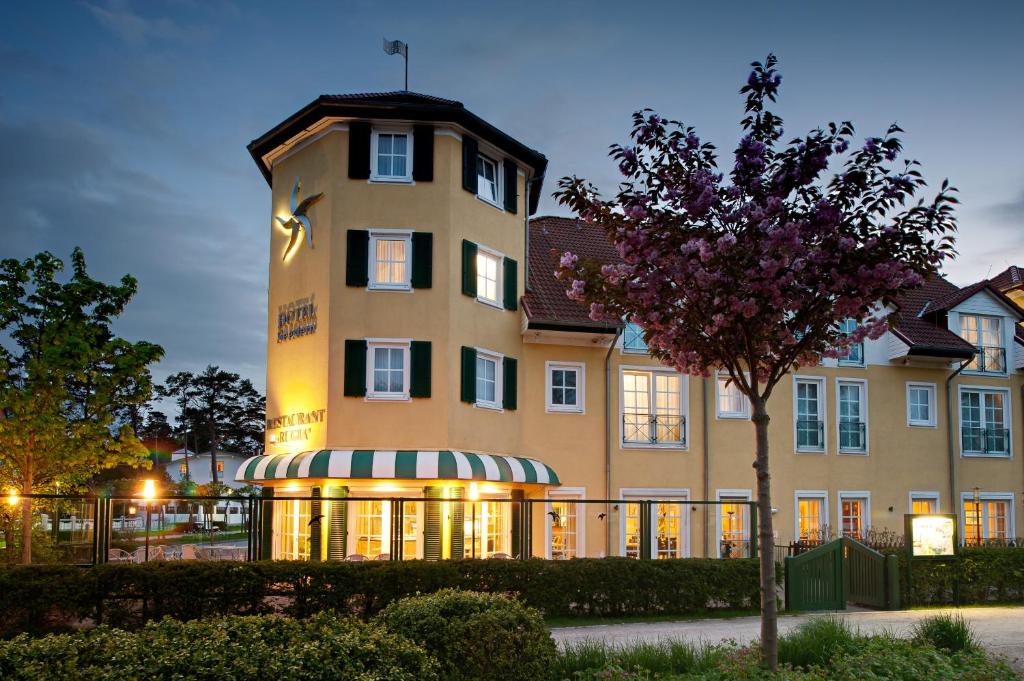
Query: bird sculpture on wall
{"type": "Point", "coordinates": [298, 220]}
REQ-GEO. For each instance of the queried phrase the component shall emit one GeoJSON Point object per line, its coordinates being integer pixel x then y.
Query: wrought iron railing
{"type": "Point", "coordinates": [991, 359]}
{"type": "Point", "coordinates": [654, 428]}
{"type": "Point", "coordinates": [810, 434]}
{"type": "Point", "coordinates": [853, 436]}
{"type": "Point", "coordinates": [985, 440]}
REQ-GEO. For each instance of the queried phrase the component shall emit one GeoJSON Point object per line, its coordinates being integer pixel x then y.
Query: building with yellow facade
{"type": "Point", "coordinates": [421, 349]}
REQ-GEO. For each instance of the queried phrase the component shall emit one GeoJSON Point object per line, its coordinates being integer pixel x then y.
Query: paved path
{"type": "Point", "coordinates": [1001, 630]}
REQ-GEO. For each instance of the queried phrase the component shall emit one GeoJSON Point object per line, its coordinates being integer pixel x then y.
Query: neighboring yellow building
{"type": "Point", "coordinates": [408, 358]}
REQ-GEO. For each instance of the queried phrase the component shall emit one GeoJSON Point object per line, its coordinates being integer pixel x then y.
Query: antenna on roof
{"type": "Point", "coordinates": [398, 47]}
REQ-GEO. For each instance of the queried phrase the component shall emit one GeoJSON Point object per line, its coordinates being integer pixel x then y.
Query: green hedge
{"type": "Point", "coordinates": [325, 647]}
{"type": "Point", "coordinates": [51, 598]}
{"type": "Point", "coordinates": [981, 574]}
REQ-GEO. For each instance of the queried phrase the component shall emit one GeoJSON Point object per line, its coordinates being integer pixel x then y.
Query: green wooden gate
{"type": "Point", "coordinates": [840, 572]}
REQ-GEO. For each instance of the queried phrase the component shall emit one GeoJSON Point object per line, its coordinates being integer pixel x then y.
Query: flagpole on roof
{"type": "Point", "coordinates": [398, 47]}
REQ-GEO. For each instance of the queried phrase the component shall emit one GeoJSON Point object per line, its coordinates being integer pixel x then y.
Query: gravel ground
{"type": "Point", "coordinates": [1000, 629]}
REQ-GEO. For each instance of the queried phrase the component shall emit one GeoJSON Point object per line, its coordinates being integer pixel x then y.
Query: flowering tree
{"type": "Point", "coordinates": [756, 274]}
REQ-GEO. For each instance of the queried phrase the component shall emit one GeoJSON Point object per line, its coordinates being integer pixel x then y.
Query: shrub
{"type": "Point", "coordinates": [981, 574]}
{"type": "Point", "coordinates": [324, 647]}
{"type": "Point", "coordinates": [42, 599]}
{"type": "Point", "coordinates": [476, 635]}
{"type": "Point", "coordinates": [815, 642]}
{"type": "Point", "coordinates": [665, 656]}
{"type": "Point", "coordinates": [947, 631]}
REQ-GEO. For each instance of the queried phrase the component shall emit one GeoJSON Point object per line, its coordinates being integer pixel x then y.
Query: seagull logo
{"type": "Point", "coordinates": [298, 220]}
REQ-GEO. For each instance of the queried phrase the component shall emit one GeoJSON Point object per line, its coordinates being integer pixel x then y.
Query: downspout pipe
{"type": "Point", "coordinates": [706, 453]}
{"type": "Point", "coordinates": [950, 435]}
{"type": "Point", "coordinates": [608, 441]}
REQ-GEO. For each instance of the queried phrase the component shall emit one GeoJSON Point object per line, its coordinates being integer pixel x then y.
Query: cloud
{"type": "Point", "coordinates": [1010, 212]}
{"type": "Point", "coordinates": [133, 28]}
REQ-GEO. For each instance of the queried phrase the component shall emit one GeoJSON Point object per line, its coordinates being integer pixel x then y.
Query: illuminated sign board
{"type": "Point", "coordinates": [296, 319]}
{"type": "Point", "coordinates": [294, 427]}
{"type": "Point", "coordinates": [931, 536]}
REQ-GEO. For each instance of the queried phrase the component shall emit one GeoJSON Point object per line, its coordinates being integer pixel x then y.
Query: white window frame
{"type": "Point", "coordinates": [863, 383]}
{"type": "Point", "coordinates": [819, 494]}
{"type": "Point", "coordinates": [498, 181]}
{"type": "Point", "coordinates": [1007, 419]}
{"type": "Point", "coordinates": [743, 414]}
{"type": "Point", "coordinates": [499, 379]}
{"type": "Point", "coordinates": [353, 518]}
{"type": "Point", "coordinates": [372, 344]}
{"type": "Point", "coordinates": [1001, 335]}
{"type": "Point", "coordinates": [568, 494]}
{"type": "Point", "coordinates": [684, 407]}
{"type": "Point", "coordinates": [673, 495]}
{"type": "Point", "coordinates": [1011, 513]}
{"type": "Point", "coordinates": [862, 495]}
{"type": "Point", "coordinates": [633, 351]}
{"type": "Point", "coordinates": [389, 235]}
{"type": "Point", "coordinates": [932, 421]}
{"type": "Point", "coordinates": [918, 495]}
{"type": "Point", "coordinates": [845, 361]}
{"type": "Point", "coordinates": [374, 138]}
{"type": "Point", "coordinates": [499, 282]}
{"type": "Point", "coordinates": [822, 411]}
{"type": "Point", "coordinates": [581, 372]}
{"type": "Point", "coordinates": [722, 494]}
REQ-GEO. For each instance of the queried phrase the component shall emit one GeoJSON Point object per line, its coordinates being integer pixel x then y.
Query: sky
{"type": "Point", "coordinates": [123, 124]}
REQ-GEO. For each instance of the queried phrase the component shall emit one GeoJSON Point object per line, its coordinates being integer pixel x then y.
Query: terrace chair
{"type": "Point", "coordinates": [188, 552]}
{"type": "Point", "coordinates": [204, 553]}
{"type": "Point", "coordinates": [355, 558]}
{"type": "Point", "coordinates": [383, 556]}
{"type": "Point", "coordinates": [158, 552]}
{"type": "Point", "coordinates": [501, 556]}
{"type": "Point", "coordinates": [119, 556]}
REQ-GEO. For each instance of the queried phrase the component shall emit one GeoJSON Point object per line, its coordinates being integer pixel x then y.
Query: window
{"type": "Point", "coordinates": [566, 531]}
{"type": "Point", "coordinates": [565, 387]}
{"type": "Point", "coordinates": [924, 502]}
{"type": "Point", "coordinates": [391, 158]}
{"type": "Point", "coordinates": [486, 529]}
{"type": "Point", "coordinates": [854, 514]}
{"type": "Point", "coordinates": [294, 530]}
{"type": "Point", "coordinates": [652, 410]}
{"type": "Point", "coordinates": [921, 404]}
{"type": "Point", "coordinates": [732, 404]}
{"type": "Point", "coordinates": [220, 466]}
{"type": "Point", "coordinates": [987, 517]}
{"type": "Point", "coordinates": [387, 370]}
{"type": "Point", "coordinates": [852, 400]}
{"type": "Point", "coordinates": [488, 276]}
{"type": "Point", "coordinates": [810, 411]}
{"type": "Point", "coordinates": [983, 418]}
{"type": "Point", "coordinates": [373, 527]}
{"type": "Point", "coordinates": [984, 333]}
{"type": "Point", "coordinates": [811, 517]}
{"type": "Point", "coordinates": [734, 524]}
{"type": "Point", "coordinates": [855, 353]}
{"type": "Point", "coordinates": [487, 179]}
{"type": "Point", "coordinates": [389, 260]}
{"type": "Point", "coordinates": [633, 338]}
{"type": "Point", "coordinates": [667, 527]}
{"type": "Point", "coordinates": [488, 380]}
{"type": "Point", "coordinates": [183, 468]}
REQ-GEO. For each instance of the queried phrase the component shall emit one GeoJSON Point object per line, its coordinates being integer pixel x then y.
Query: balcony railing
{"type": "Point", "coordinates": [853, 436]}
{"type": "Point", "coordinates": [653, 429]}
{"type": "Point", "coordinates": [810, 434]}
{"type": "Point", "coordinates": [989, 359]}
{"type": "Point", "coordinates": [985, 440]}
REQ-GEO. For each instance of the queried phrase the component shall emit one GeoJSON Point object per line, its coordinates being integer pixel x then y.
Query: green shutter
{"type": "Point", "coordinates": [422, 257]}
{"type": "Point", "coordinates": [267, 522]}
{"type": "Point", "coordinates": [432, 523]}
{"type": "Point", "coordinates": [458, 526]}
{"type": "Point", "coordinates": [509, 392]}
{"type": "Point", "coordinates": [470, 150]}
{"type": "Point", "coordinates": [419, 361]}
{"type": "Point", "coordinates": [511, 185]}
{"type": "Point", "coordinates": [359, 150]}
{"type": "Point", "coordinates": [469, 268]}
{"type": "Point", "coordinates": [511, 284]}
{"type": "Point", "coordinates": [468, 374]}
{"type": "Point", "coordinates": [315, 516]}
{"type": "Point", "coordinates": [355, 367]}
{"type": "Point", "coordinates": [357, 266]}
{"type": "Point", "coordinates": [337, 532]}
{"type": "Point", "coordinates": [423, 153]}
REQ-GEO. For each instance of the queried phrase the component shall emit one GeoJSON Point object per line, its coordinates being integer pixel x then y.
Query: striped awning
{"type": "Point", "coordinates": [376, 464]}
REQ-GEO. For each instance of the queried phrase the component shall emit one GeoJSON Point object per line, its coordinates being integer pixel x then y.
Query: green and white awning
{"type": "Point", "coordinates": [377, 464]}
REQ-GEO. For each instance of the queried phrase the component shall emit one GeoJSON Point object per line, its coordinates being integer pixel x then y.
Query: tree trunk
{"type": "Point", "coordinates": [214, 443]}
{"type": "Point", "coordinates": [26, 512]}
{"type": "Point", "coordinates": [766, 540]}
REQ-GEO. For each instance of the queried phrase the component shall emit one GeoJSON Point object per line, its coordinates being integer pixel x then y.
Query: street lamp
{"type": "Point", "coordinates": [148, 494]}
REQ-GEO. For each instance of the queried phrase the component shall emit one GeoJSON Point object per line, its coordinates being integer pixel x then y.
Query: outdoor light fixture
{"type": "Point", "coordinates": [148, 490]}
{"type": "Point", "coordinates": [13, 498]}
{"type": "Point", "coordinates": [474, 492]}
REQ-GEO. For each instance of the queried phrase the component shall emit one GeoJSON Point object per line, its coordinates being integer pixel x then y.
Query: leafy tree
{"type": "Point", "coordinates": [63, 377]}
{"type": "Point", "coordinates": [754, 275]}
{"type": "Point", "coordinates": [219, 409]}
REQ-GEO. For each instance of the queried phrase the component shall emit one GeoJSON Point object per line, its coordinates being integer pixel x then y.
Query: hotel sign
{"type": "Point", "coordinates": [294, 427]}
{"type": "Point", "coordinates": [296, 319]}
{"type": "Point", "coordinates": [931, 536]}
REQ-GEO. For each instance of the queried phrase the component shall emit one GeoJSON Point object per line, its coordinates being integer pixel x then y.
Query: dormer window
{"type": "Point", "coordinates": [487, 179]}
{"type": "Point", "coordinates": [985, 334]}
{"type": "Point", "coordinates": [391, 158]}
